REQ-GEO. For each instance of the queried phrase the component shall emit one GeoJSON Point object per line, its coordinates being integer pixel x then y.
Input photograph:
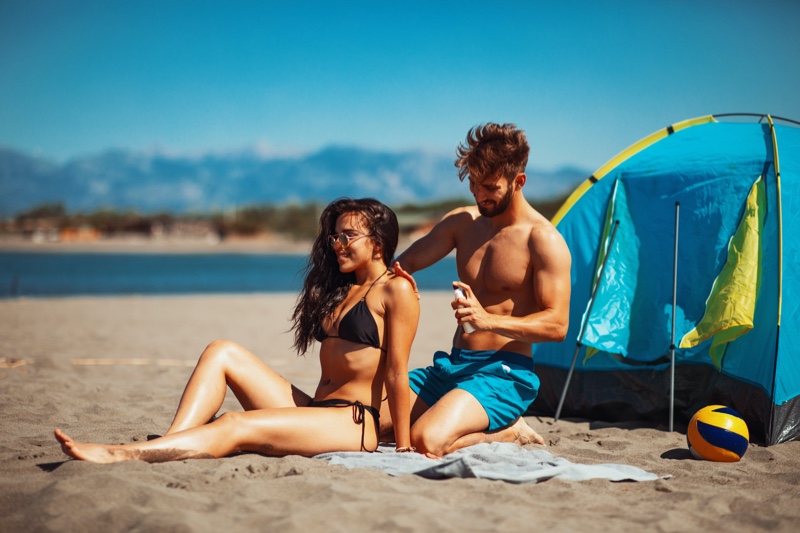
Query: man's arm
{"type": "Point", "coordinates": [551, 288]}
{"type": "Point", "coordinates": [439, 242]}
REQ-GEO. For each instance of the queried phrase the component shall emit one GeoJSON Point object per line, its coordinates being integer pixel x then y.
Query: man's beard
{"type": "Point", "coordinates": [498, 209]}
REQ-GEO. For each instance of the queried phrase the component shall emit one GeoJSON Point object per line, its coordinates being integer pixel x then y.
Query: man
{"type": "Point", "coordinates": [514, 268]}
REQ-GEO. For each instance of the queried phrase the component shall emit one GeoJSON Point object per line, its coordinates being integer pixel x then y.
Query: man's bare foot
{"type": "Point", "coordinates": [87, 451]}
{"type": "Point", "coordinates": [524, 434]}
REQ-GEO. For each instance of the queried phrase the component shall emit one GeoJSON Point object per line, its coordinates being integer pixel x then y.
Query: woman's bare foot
{"type": "Point", "coordinates": [524, 434]}
{"type": "Point", "coordinates": [87, 451]}
{"type": "Point", "coordinates": [109, 453]}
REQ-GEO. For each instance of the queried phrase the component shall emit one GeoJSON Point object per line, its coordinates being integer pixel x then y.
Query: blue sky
{"type": "Point", "coordinates": [584, 79]}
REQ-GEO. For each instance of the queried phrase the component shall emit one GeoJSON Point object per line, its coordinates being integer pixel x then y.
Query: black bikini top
{"type": "Point", "coordinates": [358, 325]}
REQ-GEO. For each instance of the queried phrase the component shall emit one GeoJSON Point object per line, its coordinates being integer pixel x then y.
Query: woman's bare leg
{"type": "Point", "coordinates": [302, 431]}
{"type": "Point", "coordinates": [228, 364]}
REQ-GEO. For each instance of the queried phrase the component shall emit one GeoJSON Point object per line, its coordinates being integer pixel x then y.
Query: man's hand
{"type": "Point", "coordinates": [398, 271]}
{"type": "Point", "coordinates": [469, 309]}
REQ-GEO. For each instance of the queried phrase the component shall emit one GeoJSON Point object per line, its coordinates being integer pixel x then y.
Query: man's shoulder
{"type": "Point", "coordinates": [544, 238]}
{"type": "Point", "coordinates": [540, 223]}
{"type": "Point", "coordinates": [543, 228]}
{"type": "Point", "coordinates": [531, 221]}
{"type": "Point", "coordinates": [470, 210]}
{"type": "Point", "coordinates": [537, 227]}
{"type": "Point", "coordinates": [460, 217]}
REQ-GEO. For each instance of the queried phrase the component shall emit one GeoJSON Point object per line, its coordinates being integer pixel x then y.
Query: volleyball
{"type": "Point", "coordinates": [718, 433]}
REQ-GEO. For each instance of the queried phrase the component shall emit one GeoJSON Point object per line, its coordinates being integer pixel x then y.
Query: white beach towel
{"type": "Point", "coordinates": [500, 461]}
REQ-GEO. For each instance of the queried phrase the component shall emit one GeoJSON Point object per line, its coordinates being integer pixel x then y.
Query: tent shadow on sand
{"type": "Point", "coordinates": [728, 310]}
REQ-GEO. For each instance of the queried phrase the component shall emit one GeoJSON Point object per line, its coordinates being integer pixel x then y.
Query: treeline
{"type": "Point", "coordinates": [298, 221]}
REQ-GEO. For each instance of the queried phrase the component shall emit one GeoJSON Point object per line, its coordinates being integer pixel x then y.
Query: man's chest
{"type": "Point", "coordinates": [495, 267]}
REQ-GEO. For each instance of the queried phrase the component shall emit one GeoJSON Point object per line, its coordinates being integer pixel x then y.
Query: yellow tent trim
{"type": "Point", "coordinates": [623, 156]}
{"type": "Point", "coordinates": [777, 164]}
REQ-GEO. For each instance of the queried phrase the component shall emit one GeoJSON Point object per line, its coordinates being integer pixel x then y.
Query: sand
{"type": "Point", "coordinates": [112, 370]}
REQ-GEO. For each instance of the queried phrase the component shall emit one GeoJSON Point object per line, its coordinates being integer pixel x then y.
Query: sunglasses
{"type": "Point", "coordinates": [344, 239]}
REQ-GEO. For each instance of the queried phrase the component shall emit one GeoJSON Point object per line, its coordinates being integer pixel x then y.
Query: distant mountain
{"type": "Point", "coordinates": [150, 183]}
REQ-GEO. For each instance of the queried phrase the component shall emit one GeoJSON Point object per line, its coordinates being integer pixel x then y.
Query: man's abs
{"type": "Point", "coordinates": [486, 340]}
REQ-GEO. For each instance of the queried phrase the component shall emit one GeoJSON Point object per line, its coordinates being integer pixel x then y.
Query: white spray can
{"type": "Point", "coordinates": [459, 293]}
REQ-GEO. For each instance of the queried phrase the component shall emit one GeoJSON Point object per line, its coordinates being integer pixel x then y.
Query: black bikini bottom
{"type": "Point", "coordinates": [358, 413]}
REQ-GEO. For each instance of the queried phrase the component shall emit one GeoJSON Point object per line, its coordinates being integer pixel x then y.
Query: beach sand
{"type": "Point", "coordinates": [113, 369]}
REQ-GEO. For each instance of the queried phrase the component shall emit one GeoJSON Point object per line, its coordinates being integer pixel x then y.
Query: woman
{"type": "Point", "coordinates": [365, 319]}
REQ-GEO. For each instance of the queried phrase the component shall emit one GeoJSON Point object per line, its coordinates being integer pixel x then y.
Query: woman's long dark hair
{"type": "Point", "coordinates": [325, 287]}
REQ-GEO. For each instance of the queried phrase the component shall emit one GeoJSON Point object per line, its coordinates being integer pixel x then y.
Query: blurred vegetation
{"type": "Point", "coordinates": [54, 210]}
{"type": "Point", "coordinates": [298, 221]}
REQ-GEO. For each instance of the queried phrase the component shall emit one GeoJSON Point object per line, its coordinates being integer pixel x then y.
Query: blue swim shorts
{"type": "Point", "coordinates": [503, 382]}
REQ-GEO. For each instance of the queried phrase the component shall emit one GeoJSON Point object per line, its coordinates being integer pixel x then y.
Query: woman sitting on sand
{"type": "Point", "coordinates": [364, 317]}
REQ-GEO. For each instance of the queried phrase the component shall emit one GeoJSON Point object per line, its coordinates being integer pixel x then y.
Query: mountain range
{"type": "Point", "coordinates": [157, 182]}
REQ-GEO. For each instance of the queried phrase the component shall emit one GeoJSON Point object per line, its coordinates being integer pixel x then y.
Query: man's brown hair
{"type": "Point", "coordinates": [492, 149]}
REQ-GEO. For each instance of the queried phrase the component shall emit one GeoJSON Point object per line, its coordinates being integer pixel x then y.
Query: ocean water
{"type": "Point", "coordinates": [43, 274]}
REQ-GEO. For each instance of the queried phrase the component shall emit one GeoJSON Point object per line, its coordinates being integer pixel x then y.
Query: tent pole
{"type": "Point", "coordinates": [583, 326]}
{"type": "Point", "coordinates": [566, 383]}
{"type": "Point", "coordinates": [674, 306]}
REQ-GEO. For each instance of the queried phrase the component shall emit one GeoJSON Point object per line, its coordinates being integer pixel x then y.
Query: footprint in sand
{"type": "Point", "coordinates": [613, 445]}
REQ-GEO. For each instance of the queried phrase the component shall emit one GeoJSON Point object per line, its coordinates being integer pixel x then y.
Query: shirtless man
{"type": "Point", "coordinates": [514, 268]}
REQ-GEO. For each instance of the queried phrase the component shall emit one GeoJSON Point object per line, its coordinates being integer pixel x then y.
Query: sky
{"type": "Point", "coordinates": [584, 79]}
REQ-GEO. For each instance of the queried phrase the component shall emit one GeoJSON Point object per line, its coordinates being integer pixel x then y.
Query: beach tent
{"type": "Point", "coordinates": [696, 299]}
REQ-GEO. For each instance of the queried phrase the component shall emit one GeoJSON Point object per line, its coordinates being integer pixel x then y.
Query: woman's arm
{"type": "Point", "coordinates": [402, 317]}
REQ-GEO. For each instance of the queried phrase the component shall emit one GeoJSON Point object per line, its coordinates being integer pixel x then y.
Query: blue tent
{"type": "Point", "coordinates": [736, 333]}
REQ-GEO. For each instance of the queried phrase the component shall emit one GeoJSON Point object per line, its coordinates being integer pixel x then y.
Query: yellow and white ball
{"type": "Point", "coordinates": [718, 433]}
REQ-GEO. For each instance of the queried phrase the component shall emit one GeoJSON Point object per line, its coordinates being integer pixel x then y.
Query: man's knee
{"type": "Point", "coordinates": [426, 439]}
